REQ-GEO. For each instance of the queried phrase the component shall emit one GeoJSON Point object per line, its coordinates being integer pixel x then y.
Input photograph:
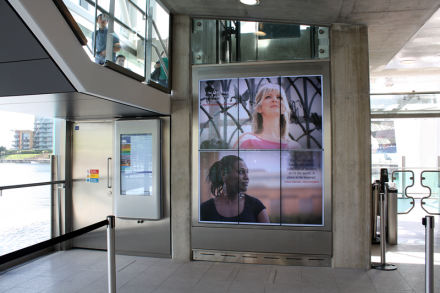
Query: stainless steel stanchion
{"type": "Point", "coordinates": [111, 254]}
{"type": "Point", "coordinates": [383, 237]}
{"type": "Point", "coordinates": [428, 222]}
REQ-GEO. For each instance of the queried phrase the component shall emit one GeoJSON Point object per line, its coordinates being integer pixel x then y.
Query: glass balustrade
{"type": "Point", "coordinates": [132, 34]}
{"type": "Point", "coordinates": [404, 180]}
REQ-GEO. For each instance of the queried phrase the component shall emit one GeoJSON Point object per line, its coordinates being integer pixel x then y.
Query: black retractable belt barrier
{"type": "Point", "coordinates": [51, 242]}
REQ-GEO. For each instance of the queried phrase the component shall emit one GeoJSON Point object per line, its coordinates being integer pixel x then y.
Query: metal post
{"type": "Point", "coordinates": [428, 222]}
{"type": "Point", "coordinates": [383, 238]}
{"type": "Point", "coordinates": [110, 31]}
{"type": "Point", "coordinates": [94, 29]}
{"type": "Point", "coordinates": [111, 254]}
{"type": "Point", "coordinates": [383, 230]}
{"type": "Point", "coordinates": [374, 213]}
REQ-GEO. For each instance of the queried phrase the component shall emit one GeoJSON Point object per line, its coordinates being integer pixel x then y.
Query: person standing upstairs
{"type": "Point", "coordinates": [101, 41]}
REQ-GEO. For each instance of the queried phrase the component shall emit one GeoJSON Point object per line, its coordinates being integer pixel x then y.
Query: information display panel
{"type": "Point", "coordinates": [138, 164]}
{"type": "Point", "coordinates": [261, 151]}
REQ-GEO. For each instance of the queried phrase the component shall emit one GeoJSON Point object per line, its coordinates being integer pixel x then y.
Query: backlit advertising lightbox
{"type": "Point", "coordinates": [261, 151]}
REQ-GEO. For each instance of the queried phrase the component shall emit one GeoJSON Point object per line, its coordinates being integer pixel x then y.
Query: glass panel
{"type": "Point", "coordinates": [431, 179]}
{"type": "Point", "coordinates": [25, 152]}
{"type": "Point", "coordinates": [304, 97]}
{"type": "Point", "coordinates": [25, 212]}
{"type": "Point", "coordinates": [219, 186]}
{"type": "Point", "coordinates": [160, 58]}
{"type": "Point", "coordinates": [302, 188]}
{"type": "Point", "coordinates": [26, 148]}
{"type": "Point", "coordinates": [218, 114]}
{"type": "Point", "coordinates": [225, 41]}
{"type": "Point", "coordinates": [403, 179]}
{"type": "Point", "coordinates": [383, 148]}
{"type": "Point", "coordinates": [260, 178]}
{"type": "Point", "coordinates": [405, 104]}
{"type": "Point", "coordinates": [256, 96]}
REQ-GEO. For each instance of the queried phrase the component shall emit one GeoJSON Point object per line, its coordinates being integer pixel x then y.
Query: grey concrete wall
{"type": "Point", "coordinates": [351, 155]}
{"type": "Point", "coordinates": [181, 113]}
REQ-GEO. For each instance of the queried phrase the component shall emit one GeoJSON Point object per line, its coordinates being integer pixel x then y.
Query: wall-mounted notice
{"type": "Point", "coordinates": [136, 164]}
{"type": "Point", "coordinates": [92, 176]}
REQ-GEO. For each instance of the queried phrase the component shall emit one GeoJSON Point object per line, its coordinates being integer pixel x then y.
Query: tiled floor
{"type": "Point", "coordinates": [86, 271]}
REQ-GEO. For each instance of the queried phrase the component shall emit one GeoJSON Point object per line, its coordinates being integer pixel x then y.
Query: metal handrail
{"type": "Point", "coordinates": [406, 193]}
{"type": "Point", "coordinates": [30, 185]}
{"type": "Point", "coordinates": [160, 39]}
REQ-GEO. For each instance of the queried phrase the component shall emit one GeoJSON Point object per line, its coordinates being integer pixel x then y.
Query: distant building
{"type": "Point", "coordinates": [23, 140]}
{"type": "Point", "coordinates": [43, 133]}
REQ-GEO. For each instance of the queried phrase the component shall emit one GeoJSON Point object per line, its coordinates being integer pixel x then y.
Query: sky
{"type": "Point", "coordinates": [13, 121]}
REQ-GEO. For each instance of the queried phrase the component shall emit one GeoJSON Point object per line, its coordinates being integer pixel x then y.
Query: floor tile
{"type": "Point", "coordinates": [391, 284]}
{"type": "Point", "coordinates": [284, 288]}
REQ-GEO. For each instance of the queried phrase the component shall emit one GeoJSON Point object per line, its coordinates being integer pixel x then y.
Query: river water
{"type": "Point", "coordinates": [24, 212]}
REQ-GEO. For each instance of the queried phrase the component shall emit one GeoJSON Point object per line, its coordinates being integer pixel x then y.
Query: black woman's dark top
{"type": "Point", "coordinates": [252, 207]}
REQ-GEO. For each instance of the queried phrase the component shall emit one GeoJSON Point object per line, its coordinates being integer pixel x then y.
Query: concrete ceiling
{"type": "Point", "coordinates": [391, 23]}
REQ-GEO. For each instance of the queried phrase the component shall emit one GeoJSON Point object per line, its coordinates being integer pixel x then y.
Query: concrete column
{"type": "Point", "coordinates": [181, 112]}
{"type": "Point", "coordinates": [351, 154]}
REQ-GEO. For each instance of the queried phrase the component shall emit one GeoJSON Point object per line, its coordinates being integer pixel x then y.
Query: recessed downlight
{"type": "Point", "coordinates": [250, 2]}
{"type": "Point", "coordinates": [407, 62]}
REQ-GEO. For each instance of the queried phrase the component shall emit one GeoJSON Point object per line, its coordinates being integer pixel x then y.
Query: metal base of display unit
{"type": "Point", "coordinates": [262, 258]}
{"type": "Point", "coordinates": [383, 267]}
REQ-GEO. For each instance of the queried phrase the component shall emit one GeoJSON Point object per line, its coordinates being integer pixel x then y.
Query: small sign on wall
{"type": "Point", "coordinates": [92, 176]}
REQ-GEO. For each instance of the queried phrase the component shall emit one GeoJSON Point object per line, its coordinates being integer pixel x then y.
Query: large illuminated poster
{"type": "Point", "coordinates": [260, 151]}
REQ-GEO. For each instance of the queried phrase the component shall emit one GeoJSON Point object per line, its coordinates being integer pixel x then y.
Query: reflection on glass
{"type": "Point", "coordinates": [218, 113]}
{"type": "Point", "coordinates": [403, 179]}
{"type": "Point", "coordinates": [431, 180]}
{"type": "Point", "coordinates": [301, 188]}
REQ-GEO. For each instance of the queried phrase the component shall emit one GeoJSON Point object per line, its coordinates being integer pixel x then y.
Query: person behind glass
{"type": "Point", "coordinates": [270, 121]}
{"type": "Point", "coordinates": [229, 179]}
{"type": "Point", "coordinates": [101, 41]}
{"type": "Point", "coordinates": [120, 60]}
{"type": "Point", "coordinates": [158, 73]}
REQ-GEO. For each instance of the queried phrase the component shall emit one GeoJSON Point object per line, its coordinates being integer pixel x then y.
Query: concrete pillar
{"type": "Point", "coordinates": [351, 154]}
{"type": "Point", "coordinates": [181, 112]}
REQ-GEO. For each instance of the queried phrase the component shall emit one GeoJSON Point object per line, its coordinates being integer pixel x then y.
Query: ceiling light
{"type": "Point", "coordinates": [407, 61]}
{"type": "Point", "coordinates": [260, 33]}
{"type": "Point", "coordinates": [250, 2]}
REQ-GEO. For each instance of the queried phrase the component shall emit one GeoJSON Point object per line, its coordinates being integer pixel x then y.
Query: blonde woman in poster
{"type": "Point", "coordinates": [270, 121]}
{"type": "Point", "coordinates": [229, 180]}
